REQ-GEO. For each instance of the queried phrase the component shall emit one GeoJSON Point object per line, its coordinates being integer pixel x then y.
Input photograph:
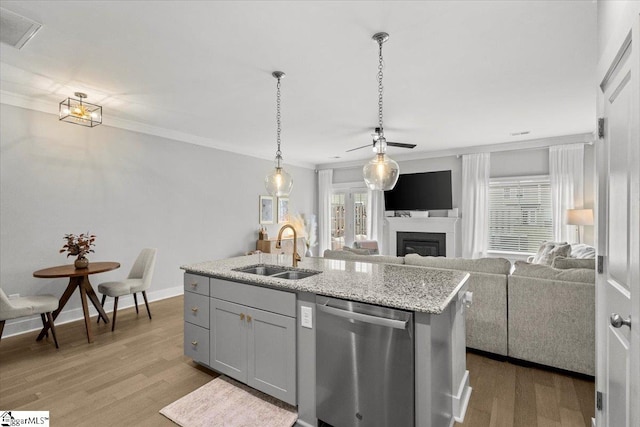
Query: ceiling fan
{"type": "Point", "coordinates": [378, 132]}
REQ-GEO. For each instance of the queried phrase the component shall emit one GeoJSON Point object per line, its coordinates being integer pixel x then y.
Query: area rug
{"type": "Point", "coordinates": [224, 402]}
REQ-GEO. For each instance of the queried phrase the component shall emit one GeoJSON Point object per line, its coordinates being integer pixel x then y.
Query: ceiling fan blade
{"type": "Point", "coordinates": [358, 148]}
{"type": "Point", "coordinates": [400, 144]}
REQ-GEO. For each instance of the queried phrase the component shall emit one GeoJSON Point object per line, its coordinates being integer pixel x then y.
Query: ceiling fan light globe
{"type": "Point", "coordinates": [381, 173]}
{"type": "Point", "coordinates": [278, 183]}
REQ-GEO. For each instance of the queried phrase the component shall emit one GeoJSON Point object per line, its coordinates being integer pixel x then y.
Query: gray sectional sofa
{"type": "Point", "coordinates": [536, 313]}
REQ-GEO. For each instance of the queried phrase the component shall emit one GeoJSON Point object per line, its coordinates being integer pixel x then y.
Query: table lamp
{"type": "Point", "coordinates": [580, 217]}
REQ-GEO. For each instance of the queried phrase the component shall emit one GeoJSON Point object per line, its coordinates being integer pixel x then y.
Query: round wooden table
{"type": "Point", "coordinates": [78, 278]}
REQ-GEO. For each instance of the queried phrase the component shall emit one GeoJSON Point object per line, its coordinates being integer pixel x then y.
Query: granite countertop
{"type": "Point", "coordinates": [406, 287]}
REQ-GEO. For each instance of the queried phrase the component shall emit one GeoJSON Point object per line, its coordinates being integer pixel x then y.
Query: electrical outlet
{"type": "Point", "coordinates": [306, 317]}
{"type": "Point", "coordinates": [14, 296]}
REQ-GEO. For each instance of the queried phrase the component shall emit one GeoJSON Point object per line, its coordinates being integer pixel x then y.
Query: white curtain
{"type": "Point", "coordinates": [566, 173]}
{"type": "Point", "coordinates": [475, 204]}
{"type": "Point", "coordinates": [375, 217]}
{"type": "Point", "coordinates": [325, 185]}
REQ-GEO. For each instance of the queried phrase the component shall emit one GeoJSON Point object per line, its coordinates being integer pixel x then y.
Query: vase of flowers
{"type": "Point", "coordinates": [311, 228]}
{"type": "Point", "coordinates": [79, 246]}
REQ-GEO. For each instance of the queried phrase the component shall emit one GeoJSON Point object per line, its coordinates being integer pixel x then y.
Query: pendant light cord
{"type": "Point", "coordinates": [278, 153]}
{"type": "Point", "coordinates": [380, 87]}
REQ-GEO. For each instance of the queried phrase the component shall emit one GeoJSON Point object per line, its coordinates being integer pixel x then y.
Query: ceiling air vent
{"type": "Point", "coordinates": [16, 30]}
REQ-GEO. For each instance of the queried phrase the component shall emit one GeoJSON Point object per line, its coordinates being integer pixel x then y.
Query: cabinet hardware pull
{"type": "Point", "coordinates": [194, 285]}
{"type": "Point", "coordinates": [241, 316]}
{"type": "Point", "coordinates": [194, 309]}
{"type": "Point", "coordinates": [194, 343]}
{"type": "Point", "coordinates": [248, 318]}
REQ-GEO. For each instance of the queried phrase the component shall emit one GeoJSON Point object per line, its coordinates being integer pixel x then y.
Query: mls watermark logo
{"type": "Point", "coordinates": [24, 418]}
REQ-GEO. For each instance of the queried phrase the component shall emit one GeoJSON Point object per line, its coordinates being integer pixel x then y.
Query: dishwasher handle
{"type": "Point", "coordinates": [374, 320]}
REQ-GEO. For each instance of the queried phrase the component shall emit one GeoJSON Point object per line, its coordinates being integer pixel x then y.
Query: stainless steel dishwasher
{"type": "Point", "coordinates": [364, 364]}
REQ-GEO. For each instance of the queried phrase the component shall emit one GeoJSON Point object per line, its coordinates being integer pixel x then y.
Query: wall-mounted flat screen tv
{"type": "Point", "coordinates": [425, 191]}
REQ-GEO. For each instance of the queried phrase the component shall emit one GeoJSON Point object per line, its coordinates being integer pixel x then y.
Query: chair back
{"type": "Point", "coordinates": [5, 305]}
{"type": "Point", "coordinates": [143, 266]}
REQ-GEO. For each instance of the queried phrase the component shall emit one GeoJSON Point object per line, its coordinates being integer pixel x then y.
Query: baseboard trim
{"type": "Point", "coordinates": [461, 399]}
{"type": "Point", "coordinates": [24, 325]}
{"type": "Point", "coordinates": [300, 423]}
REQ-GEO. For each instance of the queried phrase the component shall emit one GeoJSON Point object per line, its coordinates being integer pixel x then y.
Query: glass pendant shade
{"type": "Point", "coordinates": [278, 183]}
{"type": "Point", "coordinates": [381, 173]}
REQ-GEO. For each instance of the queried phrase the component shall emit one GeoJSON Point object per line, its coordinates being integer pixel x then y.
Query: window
{"type": "Point", "coordinates": [519, 213]}
{"type": "Point", "coordinates": [348, 217]}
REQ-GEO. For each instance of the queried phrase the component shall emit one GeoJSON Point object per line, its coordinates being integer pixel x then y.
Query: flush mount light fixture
{"type": "Point", "coordinates": [81, 113]}
{"type": "Point", "coordinates": [381, 173]}
{"type": "Point", "coordinates": [278, 183]}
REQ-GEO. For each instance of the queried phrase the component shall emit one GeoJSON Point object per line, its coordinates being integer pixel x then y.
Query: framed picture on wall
{"type": "Point", "coordinates": [283, 210]}
{"type": "Point", "coordinates": [266, 209]}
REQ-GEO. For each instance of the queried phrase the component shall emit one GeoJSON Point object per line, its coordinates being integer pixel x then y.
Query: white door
{"type": "Point", "coordinates": [618, 285]}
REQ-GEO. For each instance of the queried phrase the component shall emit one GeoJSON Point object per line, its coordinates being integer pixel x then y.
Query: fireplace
{"type": "Point", "coordinates": [449, 227]}
{"type": "Point", "coordinates": [424, 244]}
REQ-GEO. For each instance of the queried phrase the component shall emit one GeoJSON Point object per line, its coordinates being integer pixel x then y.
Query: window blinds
{"type": "Point", "coordinates": [519, 214]}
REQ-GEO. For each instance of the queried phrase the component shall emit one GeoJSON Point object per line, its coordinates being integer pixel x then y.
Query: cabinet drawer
{"type": "Point", "coordinates": [196, 343]}
{"type": "Point", "coordinates": [272, 300]}
{"type": "Point", "coordinates": [196, 309]}
{"type": "Point", "coordinates": [196, 283]}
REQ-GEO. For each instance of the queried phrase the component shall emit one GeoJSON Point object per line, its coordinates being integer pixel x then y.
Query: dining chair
{"type": "Point", "coordinates": [139, 280]}
{"type": "Point", "coordinates": [28, 306]}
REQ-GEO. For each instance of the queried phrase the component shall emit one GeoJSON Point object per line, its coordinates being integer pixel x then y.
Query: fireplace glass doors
{"type": "Point", "coordinates": [424, 244]}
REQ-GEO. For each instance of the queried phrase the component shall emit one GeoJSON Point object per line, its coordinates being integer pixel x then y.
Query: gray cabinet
{"type": "Point", "coordinates": [244, 331]}
{"type": "Point", "coordinates": [228, 339]}
{"type": "Point", "coordinates": [196, 318]}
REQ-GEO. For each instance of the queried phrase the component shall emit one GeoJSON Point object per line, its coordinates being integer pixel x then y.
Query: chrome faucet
{"type": "Point", "coordinates": [296, 257]}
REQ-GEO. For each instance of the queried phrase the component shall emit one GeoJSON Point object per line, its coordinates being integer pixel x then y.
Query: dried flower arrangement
{"type": "Point", "coordinates": [78, 245]}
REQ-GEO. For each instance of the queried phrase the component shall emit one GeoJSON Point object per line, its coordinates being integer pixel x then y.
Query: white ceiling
{"type": "Point", "coordinates": [457, 74]}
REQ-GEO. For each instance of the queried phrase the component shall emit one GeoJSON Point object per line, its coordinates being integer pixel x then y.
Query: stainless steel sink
{"type": "Point", "coordinates": [262, 270]}
{"type": "Point", "coordinates": [277, 271]}
{"type": "Point", "coordinates": [295, 274]}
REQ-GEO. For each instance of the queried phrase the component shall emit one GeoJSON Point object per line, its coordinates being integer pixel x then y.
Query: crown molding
{"type": "Point", "coordinates": [46, 106]}
{"type": "Point", "coordinates": [531, 144]}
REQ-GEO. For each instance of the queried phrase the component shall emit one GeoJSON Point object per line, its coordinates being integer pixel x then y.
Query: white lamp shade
{"type": "Point", "coordinates": [580, 216]}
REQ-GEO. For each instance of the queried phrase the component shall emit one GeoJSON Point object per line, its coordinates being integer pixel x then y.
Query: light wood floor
{"type": "Point", "coordinates": [127, 376]}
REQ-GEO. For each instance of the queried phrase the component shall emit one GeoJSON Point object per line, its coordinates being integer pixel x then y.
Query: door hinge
{"type": "Point", "coordinates": [600, 264]}
{"type": "Point", "coordinates": [600, 127]}
{"type": "Point", "coordinates": [599, 401]}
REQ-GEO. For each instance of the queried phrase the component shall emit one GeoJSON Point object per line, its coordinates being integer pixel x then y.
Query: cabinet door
{"type": "Point", "coordinates": [228, 338]}
{"type": "Point", "coordinates": [196, 309]}
{"type": "Point", "coordinates": [272, 354]}
{"type": "Point", "coordinates": [196, 343]}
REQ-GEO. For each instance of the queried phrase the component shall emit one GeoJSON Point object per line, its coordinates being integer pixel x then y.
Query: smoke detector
{"type": "Point", "coordinates": [16, 30]}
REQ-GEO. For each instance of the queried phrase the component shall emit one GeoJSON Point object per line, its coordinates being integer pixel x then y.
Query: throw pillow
{"type": "Point", "coordinates": [566, 263]}
{"type": "Point", "coordinates": [582, 251]}
{"type": "Point", "coordinates": [550, 250]}
{"type": "Point", "coordinates": [357, 251]}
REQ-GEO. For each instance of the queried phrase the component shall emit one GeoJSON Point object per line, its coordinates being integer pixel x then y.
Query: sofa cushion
{"type": "Point", "coordinates": [350, 256]}
{"type": "Point", "coordinates": [482, 265]}
{"type": "Point", "coordinates": [550, 250]}
{"type": "Point", "coordinates": [582, 251]}
{"type": "Point", "coordinates": [565, 263]}
{"type": "Point", "coordinates": [547, 272]}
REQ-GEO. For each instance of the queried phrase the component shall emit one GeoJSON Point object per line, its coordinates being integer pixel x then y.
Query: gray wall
{"type": "Point", "coordinates": [130, 189]}
{"type": "Point", "coordinates": [503, 164]}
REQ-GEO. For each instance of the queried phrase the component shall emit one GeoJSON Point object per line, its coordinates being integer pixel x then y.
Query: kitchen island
{"type": "Point", "coordinates": [261, 328]}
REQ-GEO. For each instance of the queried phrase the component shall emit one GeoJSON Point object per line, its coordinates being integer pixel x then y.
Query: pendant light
{"type": "Point", "coordinates": [381, 173]}
{"type": "Point", "coordinates": [278, 183]}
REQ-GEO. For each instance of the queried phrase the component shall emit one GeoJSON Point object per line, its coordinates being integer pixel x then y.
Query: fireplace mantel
{"type": "Point", "coordinates": [449, 226]}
